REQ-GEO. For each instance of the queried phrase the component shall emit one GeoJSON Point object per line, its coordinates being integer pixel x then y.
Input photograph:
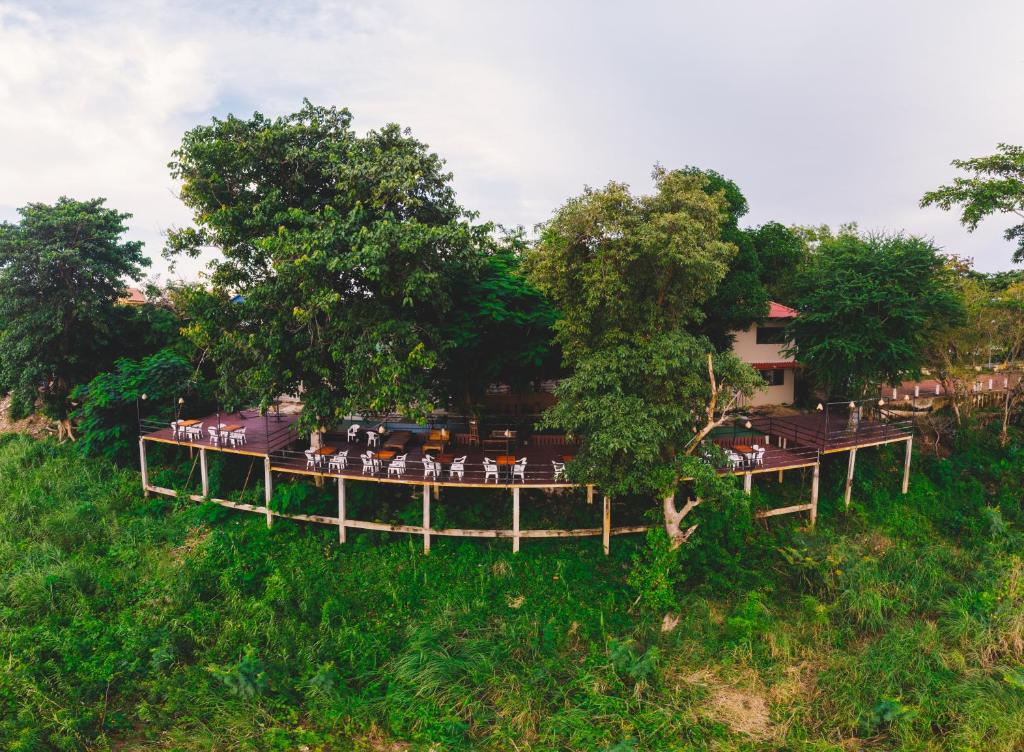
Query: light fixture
{"type": "Point", "coordinates": [820, 407]}
{"type": "Point", "coordinates": [181, 400]}
{"type": "Point", "coordinates": [145, 396]}
{"type": "Point", "coordinates": [853, 405]}
{"type": "Point", "coordinates": [881, 403]}
{"type": "Point", "coordinates": [748, 424]}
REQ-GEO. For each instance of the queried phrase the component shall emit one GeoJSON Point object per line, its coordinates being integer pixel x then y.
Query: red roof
{"type": "Point", "coordinates": [779, 311]}
{"type": "Point", "coordinates": [134, 296]}
{"type": "Point", "coordinates": [773, 364]}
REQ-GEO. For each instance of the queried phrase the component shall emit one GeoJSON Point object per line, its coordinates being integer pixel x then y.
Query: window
{"type": "Point", "coordinates": [771, 335]}
{"type": "Point", "coordinates": [774, 376]}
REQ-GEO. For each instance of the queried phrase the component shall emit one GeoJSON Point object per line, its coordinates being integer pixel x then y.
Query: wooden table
{"type": "Point", "coordinates": [445, 459]}
{"type": "Point", "coordinates": [568, 457]}
{"type": "Point", "coordinates": [189, 422]}
{"type": "Point", "coordinates": [326, 450]}
{"type": "Point", "coordinates": [386, 454]}
{"type": "Point", "coordinates": [743, 448]}
{"type": "Point", "coordinates": [506, 459]}
{"type": "Point", "coordinates": [397, 440]}
{"type": "Point", "coordinates": [232, 427]}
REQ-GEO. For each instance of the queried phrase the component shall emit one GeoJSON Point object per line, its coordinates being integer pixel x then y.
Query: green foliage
{"type": "Point", "coordinates": [62, 271]}
{"type": "Point", "coordinates": [500, 330]}
{"type": "Point", "coordinates": [127, 624]}
{"type": "Point", "coordinates": [109, 406]}
{"type": "Point", "coordinates": [869, 307]}
{"type": "Point", "coordinates": [347, 252]}
{"type": "Point", "coordinates": [629, 275]}
{"type": "Point", "coordinates": [995, 186]}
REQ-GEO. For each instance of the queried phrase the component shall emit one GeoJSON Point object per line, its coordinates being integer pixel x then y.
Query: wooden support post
{"type": "Point", "coordinates": [144, 467]}
{"type": "Point", "coordinates": [748, 482]}
{"type": "Point", "coordinates": [204, 473]}
{"type": "Point", "coordinates": [341, 509]}
{"type": "Point", "coordinates": [515, 520]}
{"type": "Point", "coordinates": [606, 525]}
{"type": "Point", "coordinates": [268, 489]}
{"type": "Point", "coordinates": [906, 464]}
{"type": "Point", "coordinates": [426, 518]}
{"type": "Point", "coordinates": [590, 494]}
{"type": "Point", "coordinates": [849, 476]}
{"type": "Point", "coordinates": [814, 493]}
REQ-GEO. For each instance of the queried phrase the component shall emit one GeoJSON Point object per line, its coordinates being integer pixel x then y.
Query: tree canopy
{"type": "Point", "coordinates": [62, 271]}
{"type": "Point", "coordinates": [346, 253]}
{"type": "Point", "coordinates": [869, 307]}
{"type": "Point", "coordinates": [630, 275]}
{"type": "Point", "coordinates": [995, 186]}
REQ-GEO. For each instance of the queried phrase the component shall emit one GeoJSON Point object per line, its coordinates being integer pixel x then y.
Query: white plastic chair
{"type": "Point", "coordinates": [353, 432]}
{"type": "Point", "coordinates": [215, 435]}
{"type": "Point", "coordinates": [372, 439]}
{"type": "Point", "coordinates": [759, 456]}
{"type": "Point", "coordinates": [195, 433]}
{"type": "Point", "coordinates": [559, 468]}
{"type": "Point", "coordinates": [519, 470]}
{"type": "Point", "coordinates": [430, 467]}
{"type": "Point", "coordinates": [237, 438]}
{"type": "Point", "coordinates": [338, 461]}
{"type": "Point", "coordinates": [312, 459]}
{"type": "Point", "coordinates": [174, 429]}
{"type": "Point", "coordinates": [735, 460]}
{"type": "Point", "coordinates": [458, 467]}
{"type": "Point", "coordinates": [490, 469]}
{"type": "Point", "coordinates": [397, 466]}
{"type": "Point", "coordinates": [370, 463]}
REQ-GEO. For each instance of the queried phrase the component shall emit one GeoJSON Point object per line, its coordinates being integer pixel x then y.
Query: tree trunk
{"type": "Point", "coordinates": [674, 518]}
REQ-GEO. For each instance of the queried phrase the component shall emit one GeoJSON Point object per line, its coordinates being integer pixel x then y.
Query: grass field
{"type": "Point", "coordinates": [128, 623]}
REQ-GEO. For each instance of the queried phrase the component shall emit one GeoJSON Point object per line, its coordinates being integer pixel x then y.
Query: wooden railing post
{"type": "Point", "coordinates": [204, 473]}
{"type": "Point", "coordinates": [341, 509]}
{"type": "Point", "coordinates": [426, 518]}
{"type": "Point", "coordinates": [849, 475]}
{"type": "Point", "coordinates": [268, 489]}
{"type": "Point", "coordinates": [906, 464]}
{"type": "Point", "coordinates": [144, 467]}
{"type": "Point", "coordinates": [515, 520]}
{"type": "Point", "coordinates": [814, 493]}
{"type": "Point", "coordinates": [606, 524]}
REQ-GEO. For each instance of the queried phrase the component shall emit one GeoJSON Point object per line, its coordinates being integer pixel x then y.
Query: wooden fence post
{"type": "Point", "coordinates": [144, 467]}
{"type": "Point", "coordinates": [426, 518]}
{"type": "Point", "coordinates": [590, 494]}
{"type": "Point", "coordinates": [204, 473]}
{"type": "Point", "coordinates": [606, 524]}
{"type": "Point", "coordinates": [906, 464]}
{"type": "Point", "coordinates": [268, 489]}
{"type": "Point", "coordinates": [515, 520]}
{"type": "Point", "coordinates": [341, 509]}
{"type": "Point", "coordinates": [849, 475]}
{"type": "Point", "coordinates": [814, 493]}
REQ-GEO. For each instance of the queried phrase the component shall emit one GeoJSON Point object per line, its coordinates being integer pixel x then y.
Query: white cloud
{"type": "Point", "coordinates": [821, 113]}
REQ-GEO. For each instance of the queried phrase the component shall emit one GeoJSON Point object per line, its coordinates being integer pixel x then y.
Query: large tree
{"type": "Point", "coordinates": [344, 254]}
{"type": "Point", "coordinates": [995, 185]}
{"type": "Point", "coordinates": [869, 308]}
{"type": "Point", "coordinates": [629, 275]}
{"type": "Point", "coordinates": [1007, 311]}
{"type": "Point", "coordinates": [500, 330]}
{"type": "Point", "coordinates": [62, 271]}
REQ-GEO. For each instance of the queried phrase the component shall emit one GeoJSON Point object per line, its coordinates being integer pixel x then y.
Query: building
{"type": "Point", "coordinates": [763, 345]}
{"type": "Point", "coordinates": [133, 297]}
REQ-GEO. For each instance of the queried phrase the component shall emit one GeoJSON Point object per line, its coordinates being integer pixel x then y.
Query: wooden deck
{"type": "Point", "coordinates": [263, 434]}
{"type": "Point", "coordinates": [833, 434]}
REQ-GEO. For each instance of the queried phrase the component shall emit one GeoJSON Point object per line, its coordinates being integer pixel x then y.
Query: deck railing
{"type": "Point", "coordinates": [473, 472]}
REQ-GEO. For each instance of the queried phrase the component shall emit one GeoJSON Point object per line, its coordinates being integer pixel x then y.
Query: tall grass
{"type": "Point", "coordinates": [156, 624]}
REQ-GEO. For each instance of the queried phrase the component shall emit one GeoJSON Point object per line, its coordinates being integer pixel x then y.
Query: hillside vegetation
{"type": "Point", "coordinates": [128, 623]}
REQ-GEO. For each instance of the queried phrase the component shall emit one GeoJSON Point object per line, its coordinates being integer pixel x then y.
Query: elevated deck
{"type": "Point", "coordinates": [831, 433]}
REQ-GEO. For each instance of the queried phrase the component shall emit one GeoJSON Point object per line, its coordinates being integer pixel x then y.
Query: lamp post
{"type": "Point", "coordinates": [138, 412]}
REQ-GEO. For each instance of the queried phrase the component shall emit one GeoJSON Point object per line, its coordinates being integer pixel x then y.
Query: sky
{"type": "Point", "coordinates": [822, 112]}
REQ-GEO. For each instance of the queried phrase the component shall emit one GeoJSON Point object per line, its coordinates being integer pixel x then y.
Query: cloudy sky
{"type": "Point", "coordinates": [822, 112]}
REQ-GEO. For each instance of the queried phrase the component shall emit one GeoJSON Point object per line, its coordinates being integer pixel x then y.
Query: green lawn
{"type": "Point", "coordinates": [128, 623]}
